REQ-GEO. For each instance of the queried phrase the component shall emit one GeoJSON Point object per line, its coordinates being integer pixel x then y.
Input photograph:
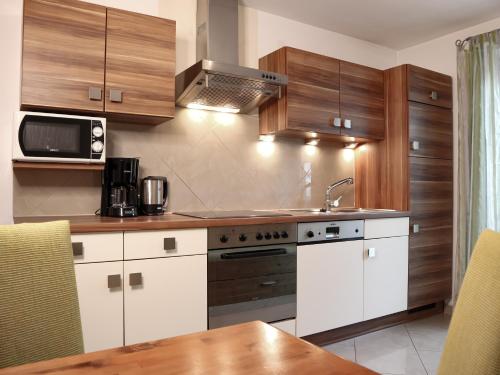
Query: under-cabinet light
{"type": "Point", "coordinates": [351, 146]}
{"type": "Point", "coordinates": [266, 138]}
{"type": "Point", "coordinates": [312, 142]}
{"type": "Point", "coordinates": [211, 108]}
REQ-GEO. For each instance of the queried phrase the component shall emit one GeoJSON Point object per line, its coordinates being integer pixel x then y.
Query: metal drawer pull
{"type": "Point", "coordinates": [337, 122]}
{"type": "Point", "coordinates": [253, 254]}
{"type": "Point", "coordinates": [415, 145]}
{"type": "Point", "coordinates": [269, 283]}
{"type": "Point", "coordinates": [135, 279]}
{"type": "Point", "coordinates": [77, 248]}
{"type": "Point", "coordinates": [114, 281]}
{"type": "Point", "coordinates": [169, 244]}
{"type": "Point", "coordinates": [372, 253]}
{"type": "Point", "coordinates": [95, 93]}
{"type": "Point", "coordinates": [347, 123]}
{"type": "Point", "coordinates": [416, 228]}
{"type": "Point", "coordinates": [434, 95]}
{"type": "Point", "coordinates": [115, 96]}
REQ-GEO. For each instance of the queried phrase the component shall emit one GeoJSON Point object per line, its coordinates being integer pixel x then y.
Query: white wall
{"type": "Point", "coordinates": [10, 70]}
{"type": "Point", "coordinates": [261, 33]}
{"type": "Point", "coordinates": [440, 55]}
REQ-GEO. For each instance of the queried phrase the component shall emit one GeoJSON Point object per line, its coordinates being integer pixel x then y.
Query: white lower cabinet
{"type": "Point", "coordinates": [329, 286]}
{"type": "Point", "coordinates": [165, 297]}
{"type": "Point", "coordinates": [100, 294]}
{"type": "Point", "coordinates": [385, 276]}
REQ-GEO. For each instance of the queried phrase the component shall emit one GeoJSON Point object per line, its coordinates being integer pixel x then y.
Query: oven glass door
{"type": "Point", "coordinates": [55, 137]}
{"type": "Point", "coordinates": [254, 283]}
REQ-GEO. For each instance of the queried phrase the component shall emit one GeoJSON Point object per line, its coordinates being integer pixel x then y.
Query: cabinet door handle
{"type": "Point", "coordinates": [114, 281]}
{"type": "Point", "coordinates": [433, 95]}
{"type": "Point", "coordinates": [416, 228]}
{"type": "Point", "coordinates": [135, 279]}
{"type": "Point", "coordinates": [415, 145]}
{"type": "Point", "coordinates": [269, 283]}
{"type": "Point", "coordinates": [337, 122]}
{"type": "Point", "coordinates": [77, 248]}
{"type": "Point", "coordinates": [347, 124]}
{"type": "Point", "coordinates": [115, 96]}
{"type": "Point", "coordinates": [372, 253]}
{"type": "Point", "coordinates": [169, 244]}
{"type": "Point", "coordinates": [95, 93]}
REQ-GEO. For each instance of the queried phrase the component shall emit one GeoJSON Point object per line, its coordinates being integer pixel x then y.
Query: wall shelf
{"type": "Point", "coordinates": [58, 166]}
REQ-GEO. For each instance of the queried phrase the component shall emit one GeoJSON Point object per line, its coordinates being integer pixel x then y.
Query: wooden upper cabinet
{"type": "Point", "coordinates": [140, 64]}
{"type": "Point", "coordinates": [430, 131]}
{"type": "Point", "coordinates": [80, 57]}
{"type": "Point", "coordinates": [362, 101]}
{"type": "Point", "coordinates": [426, 86]}
{"type": "Point", "coordinates": [63, 55]}
{"type": "Point", "coordinates": [333, 98]}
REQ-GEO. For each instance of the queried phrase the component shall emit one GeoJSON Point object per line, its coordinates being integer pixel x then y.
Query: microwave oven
{"type": "Point", "coordinates": [50, 137]}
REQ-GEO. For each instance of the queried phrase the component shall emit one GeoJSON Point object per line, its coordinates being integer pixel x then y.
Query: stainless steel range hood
{"type": "Point", "coordinates": [216, 81]}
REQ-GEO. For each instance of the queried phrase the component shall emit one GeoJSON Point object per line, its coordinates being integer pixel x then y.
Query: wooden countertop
{"type": "Point", "coordinates": [93, 223]}
{"type": "Point", "coordinates": [249, 348]}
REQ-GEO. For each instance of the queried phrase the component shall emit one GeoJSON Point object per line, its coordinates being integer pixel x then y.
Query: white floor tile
{"type": "Point", "coordinates": [431, 360]}
{"type": "Point", "coordinates": [344, 349]}
{"type": "Point", "coordinates": [389, 351]}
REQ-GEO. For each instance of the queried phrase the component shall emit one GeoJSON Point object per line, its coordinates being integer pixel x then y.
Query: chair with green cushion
{"type": "Point", "coordinates": [39, 311]}
{"type": "Point", "coordinates": [473, 342]}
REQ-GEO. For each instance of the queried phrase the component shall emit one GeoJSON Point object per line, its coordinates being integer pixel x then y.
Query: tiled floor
{"type": "Point", "coordinates": [408, 349]}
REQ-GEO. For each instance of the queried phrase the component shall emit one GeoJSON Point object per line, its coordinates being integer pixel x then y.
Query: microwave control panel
{"type": "Point", "coordinates": [98, 141]}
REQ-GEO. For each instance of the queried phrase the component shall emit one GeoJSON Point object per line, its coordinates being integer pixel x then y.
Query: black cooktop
{"type": "Point", "coordinates": [231, 214]}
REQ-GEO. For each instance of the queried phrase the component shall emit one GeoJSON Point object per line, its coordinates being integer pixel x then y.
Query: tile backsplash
{"type": "Point", "coordinates": [211, 160]}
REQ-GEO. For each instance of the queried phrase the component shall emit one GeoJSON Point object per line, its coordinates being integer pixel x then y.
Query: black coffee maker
{"type": "Point", "coordinates": [120, 193]}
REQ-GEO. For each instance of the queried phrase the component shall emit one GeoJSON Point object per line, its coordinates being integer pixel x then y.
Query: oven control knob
{"type": "Point", "coordinates": [310, 234]}
{"type": "Point", "coordinates": [97, 131]}
{"type": "Point", "coordinates": [268, 236]}
{"type": "Point", "coordinates": [223, 238]}
{"type": "Point", "coordinates": [284, 234]}
{"type": "Point", "coordinates": [276, 235]}
{"type": "Point", "coordinates": [259, 236]}
{"type": "Point", "coordinates": [97, 146]}
{"type": "Point", "coordinates": [243, 237]}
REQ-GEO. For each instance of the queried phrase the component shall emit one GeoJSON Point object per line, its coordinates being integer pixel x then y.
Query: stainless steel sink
{"type": "Point", "coordinates": [338, 210]}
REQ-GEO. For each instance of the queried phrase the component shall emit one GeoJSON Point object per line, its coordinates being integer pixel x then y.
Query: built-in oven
{"type": "Point", "coordinates": [252, 274]}
{"type": "Point", "coordinates": [50, 137]}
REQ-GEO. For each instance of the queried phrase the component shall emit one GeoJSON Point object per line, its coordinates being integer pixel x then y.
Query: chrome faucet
{"type": "Point", "coordinates": [329, 203]}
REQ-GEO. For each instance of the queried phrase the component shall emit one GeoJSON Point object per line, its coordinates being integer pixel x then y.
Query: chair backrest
{"type": "Point", "coordinates": [39, 311]}
{"type": "Point", "coordinates": [473, 342]}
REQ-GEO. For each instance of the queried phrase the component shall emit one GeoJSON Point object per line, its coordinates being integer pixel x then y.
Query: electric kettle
{"type": "Point", "coordinates": [154, 195]}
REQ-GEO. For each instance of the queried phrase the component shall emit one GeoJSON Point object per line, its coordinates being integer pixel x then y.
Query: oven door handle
{"type": "Point", "coordinates": [253, 254]}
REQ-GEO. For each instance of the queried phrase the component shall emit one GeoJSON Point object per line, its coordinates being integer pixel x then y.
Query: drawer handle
{"type": "Point", "coordinates": [372, 252]}
{"type": "Point", "coordinates": [416, 228]}
{"type": "Point", "coordinates": [95, 93]}
{"type": "Point", "coordinates": [77, 248]}
{"type": "Point", "coordinates": [115, 96]}
{"type": "Point", "coordinates": [434, 95]}
{"type": "Point", "coordinates": [269, 283]}
{"type": "Point", "coordinates": [415, 145]}
{"type": "Point", "coordinates": [135, 279]}
{"type": "Point", "coordinates": [337, 122]}
{"type": "Point", "coordinates": [169, 244]}
{"type": "Point", "coordinates": [347, 124]}
{"type": "Point", "coordinates": [114, 281]}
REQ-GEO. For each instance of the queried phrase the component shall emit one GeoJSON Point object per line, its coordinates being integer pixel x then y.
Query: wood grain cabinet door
{"type": "Point", "coordinates": [140, 64]}
{"type": "Point", "coordinates": [426, 86]}
{"type": "Point", "coordinates": [431, 131]}
{"type": "Point", "coordinates": [312, 92]}
{"type": "Point", "coordinates": [431, 231]}
{"type": "Point", "coordinates": [63, 55]}
{"type": "Point", "coordinates": [362, 101]}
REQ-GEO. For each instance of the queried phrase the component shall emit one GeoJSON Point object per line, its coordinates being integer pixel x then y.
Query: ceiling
{"type": "Point", "coordinates": [393, 23]}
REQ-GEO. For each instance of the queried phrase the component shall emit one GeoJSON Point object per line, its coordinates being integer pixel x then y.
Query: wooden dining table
{"type": "Point", "coordinates": [249, 348]}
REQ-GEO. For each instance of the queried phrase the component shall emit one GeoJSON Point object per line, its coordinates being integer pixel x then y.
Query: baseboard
{"type": "Point", "coordinates": [353, 330]}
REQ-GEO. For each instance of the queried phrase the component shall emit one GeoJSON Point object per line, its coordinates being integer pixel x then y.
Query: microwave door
{"type": "Point", "coordinates": [52, 137]}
